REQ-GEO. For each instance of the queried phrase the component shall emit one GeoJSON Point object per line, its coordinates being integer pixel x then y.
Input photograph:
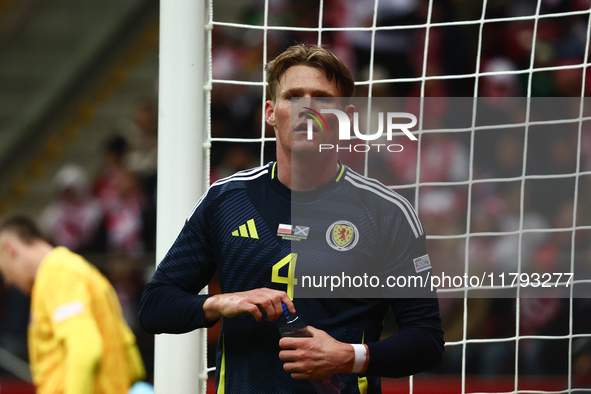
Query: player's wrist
{"type": "Point", "coordinates": [346, 358]}
{"type": "Point", "coordinates": [361, 358]}
{"type": "Point", "coordinates": [211, 309]}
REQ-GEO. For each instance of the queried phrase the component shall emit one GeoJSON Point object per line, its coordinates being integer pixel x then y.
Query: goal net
{"type": "Point", "coordinates": [503, 195]}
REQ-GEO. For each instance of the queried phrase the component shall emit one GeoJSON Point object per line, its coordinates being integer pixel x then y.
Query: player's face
{"type": "Point", "coordinates": [302, 82]}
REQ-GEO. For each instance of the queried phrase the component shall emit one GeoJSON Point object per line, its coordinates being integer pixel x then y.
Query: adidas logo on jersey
{"type": "Point", "coordinates": [247, 230]}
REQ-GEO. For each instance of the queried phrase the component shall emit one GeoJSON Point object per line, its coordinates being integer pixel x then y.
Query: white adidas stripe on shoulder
{"type": "Point", "coordinates": [239, 176]}
{"type": "Point", "coordinates": [389, 195]}
{"type": "Point", "coordinates": [388, 191]}
{"type": "Point", "coordinates": [242, 174]}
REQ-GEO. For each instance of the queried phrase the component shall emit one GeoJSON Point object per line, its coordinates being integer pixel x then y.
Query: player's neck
{"type": "Point", "coordinates": [34, 257]}
{"type": "Point", "coordinates": [306, 174]}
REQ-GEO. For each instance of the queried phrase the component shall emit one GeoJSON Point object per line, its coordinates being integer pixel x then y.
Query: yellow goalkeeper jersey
{"type": "Point", "coordinates": [68, 293]}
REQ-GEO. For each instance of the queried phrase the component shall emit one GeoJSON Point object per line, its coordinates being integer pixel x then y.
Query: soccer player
{"type": "Point", "coordinates": [78, 340]}
{"type": "Point", "coordinates": [243, 228]}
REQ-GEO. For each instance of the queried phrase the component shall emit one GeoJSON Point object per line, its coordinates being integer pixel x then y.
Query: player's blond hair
{"type": "Point", "coordinates": [313, 56]}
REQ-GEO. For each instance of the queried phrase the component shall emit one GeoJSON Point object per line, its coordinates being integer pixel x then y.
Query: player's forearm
{"type": "Point", "coordinates": [256, 302]}
{"type": "Point", "coordinates": [404, 354]}
{"type": "Point", "coordinates": [166, 309]}
{"type": "Point", "coordinates": [417, 347]}
{"type": "Point", "coordinates": [84, 350]}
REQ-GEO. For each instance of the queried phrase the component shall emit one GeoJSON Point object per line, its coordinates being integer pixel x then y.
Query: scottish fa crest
{"type": "Point", "coordinates": [342, 235]}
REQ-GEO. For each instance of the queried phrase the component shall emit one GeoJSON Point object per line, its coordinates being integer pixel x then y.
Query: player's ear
{"type": "Point", "coordinates": [270, 113]}
{"type": "Point", "coordinates": [350, 110]}
{"type": "Point", "coordinates": [7, 246]}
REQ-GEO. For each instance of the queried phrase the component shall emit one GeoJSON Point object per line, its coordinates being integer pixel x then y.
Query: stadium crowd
{"type": "Point", "coordinates": [498, 155]}
{"type": "Point", "coordinates": [114, 212]}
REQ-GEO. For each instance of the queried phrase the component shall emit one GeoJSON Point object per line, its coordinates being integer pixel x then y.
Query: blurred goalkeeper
{"type": "Point", "coordinates": [243, 228]}
{"type": "Point", "coordinates": [78, 340]}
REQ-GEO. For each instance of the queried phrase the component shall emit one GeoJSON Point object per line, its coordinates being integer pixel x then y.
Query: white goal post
{"type": "Point", "coordinates": [182, 172]}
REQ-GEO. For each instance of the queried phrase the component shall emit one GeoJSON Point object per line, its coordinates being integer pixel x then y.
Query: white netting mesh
{"type": "Point", "coordinates": [521, 196]}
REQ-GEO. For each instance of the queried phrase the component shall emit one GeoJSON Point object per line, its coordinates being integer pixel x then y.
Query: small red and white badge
{"type": "Point", "coordinates": [422, 263]}
{"type": "Point", "coordinates": [284, 229]}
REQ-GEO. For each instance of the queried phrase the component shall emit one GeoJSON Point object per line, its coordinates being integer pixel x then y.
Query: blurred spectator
{"type": "Point", "coordinates": [486, 216]}
{"type": "Point", "coordinates": [581, 363]}
{"type": "Point", "coordinates": [225, 57]}
{"type": "Point", "coordinates": [569, 81]}
{"type": "Point", "coordinates": [498, 358]}
{"type": "Point", "coordinates": [554, 153]}
{"type": "Point", "coordinates": [506, 247]}
{"type": "Point", "coordinates": [143, 155]}
{"type": "Point", "coordinates": [443, 159]}
{"type": "Point", "coordinates": [114, 156]}
{"type": "Point", "coordinates": [442, 210]}
{"type": "Point", "coordinates": [496, 88]}
{"type": "Point", "coordinates": [142, 164]}
{"type": "Point", "coordinates": [73, 219]}
{"type": "Point", "coordinates": [236, 158]}
{"type": "Point", "coordinates": [540, 316]}
{"type": "Point", "coordinates": [508, 155]}
{"type": "Point", "coordinates": [452, 317]}
{"type": "Point", "coordinates": [377, 89]}
{"type": "Point", "coordinates": [301, 13]}
{"type": "Point", "coordinates": [123, 215]}
{"type": "Point", "coordinates": [555, 254]}
{"type": "Point", "coordinates": [391, 47]}
{"type": "Point", "coordinates": [498, 154]}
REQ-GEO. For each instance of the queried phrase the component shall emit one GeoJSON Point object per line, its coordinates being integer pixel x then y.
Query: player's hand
{"type": "Point", "coordinates": [317, 357]}
{"type": "Point", "coordinates": [256, 302]}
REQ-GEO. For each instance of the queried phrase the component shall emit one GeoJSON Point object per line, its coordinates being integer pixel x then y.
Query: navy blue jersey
{"type": "Point", "coordinates": [254, 232]}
